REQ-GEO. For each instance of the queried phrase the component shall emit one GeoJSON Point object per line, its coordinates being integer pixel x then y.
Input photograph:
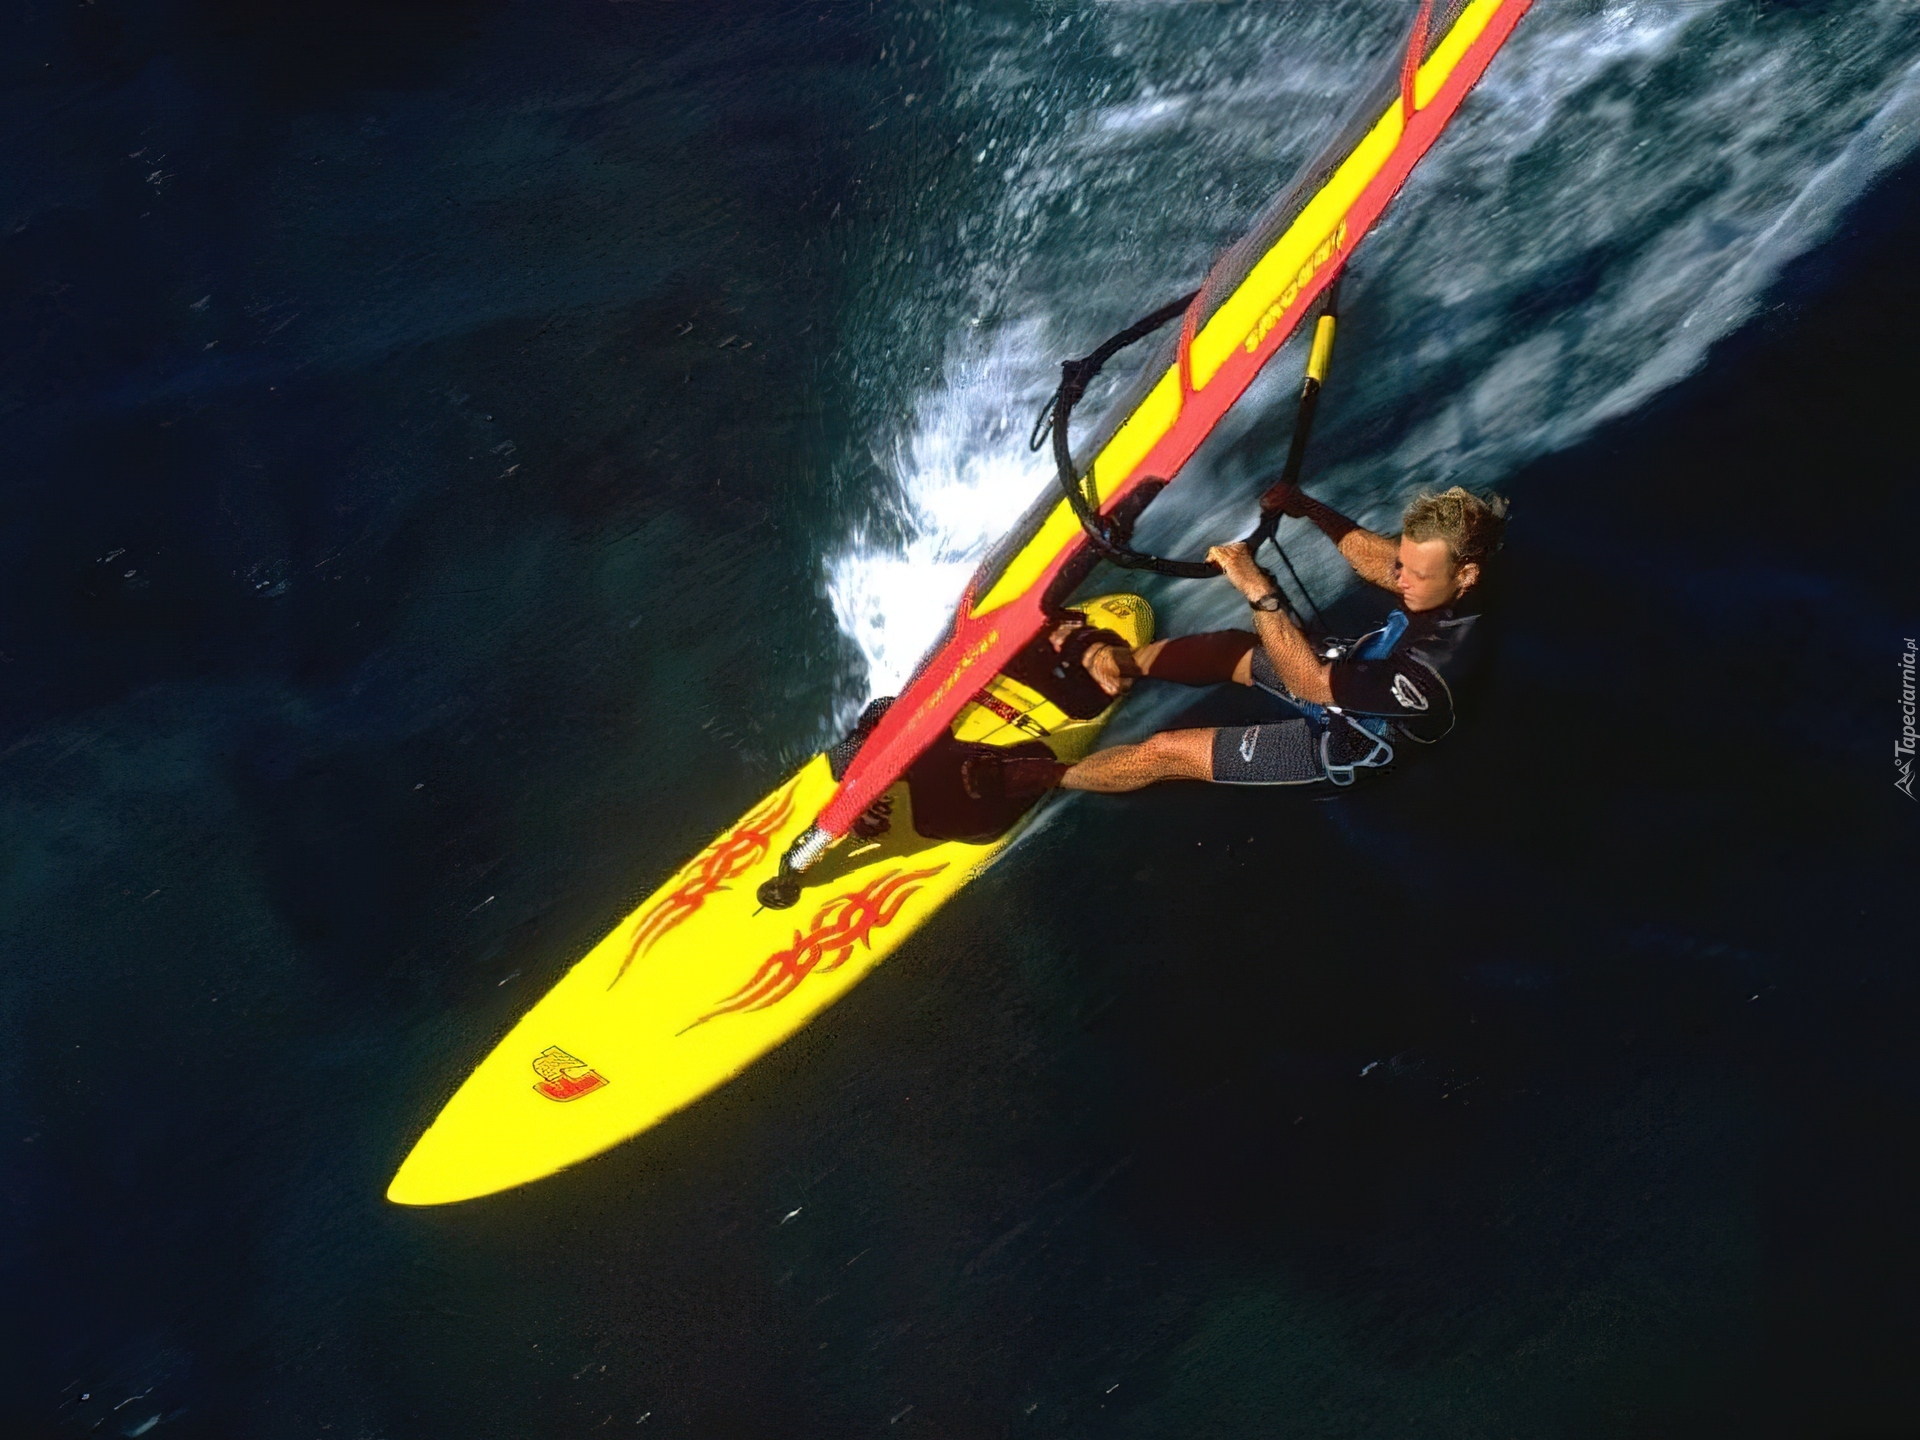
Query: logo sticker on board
{"type": "Point", "coordinates": [565, 1077]}
{"type": "Point", "coordinates": [1405, 692]}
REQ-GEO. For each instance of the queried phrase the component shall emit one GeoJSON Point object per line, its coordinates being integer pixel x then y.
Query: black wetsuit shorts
{"type": "Point", "coordinates": [1281, 751]}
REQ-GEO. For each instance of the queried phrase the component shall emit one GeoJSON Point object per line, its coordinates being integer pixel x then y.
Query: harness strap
{"type": "Point", "coordinates": [1381, 752]}
{"type": "Point", "coordinates": [1019, 719]}
{"type": "Point", "coordinates": [1331, 721]}
{"type": "Point", "coordinates": [1379, 644]}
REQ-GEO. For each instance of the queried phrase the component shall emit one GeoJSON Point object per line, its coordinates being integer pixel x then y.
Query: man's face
{"type": "Point", "coordinates": [1426, 578]}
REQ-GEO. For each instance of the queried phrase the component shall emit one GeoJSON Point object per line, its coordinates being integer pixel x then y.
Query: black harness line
{"type": "Point", "coordinates": [1054, 417]}
{"type": "Point", "coordinates": [1110, 541]}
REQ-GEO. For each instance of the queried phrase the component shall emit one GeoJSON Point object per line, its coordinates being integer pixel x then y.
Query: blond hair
{"type": "Point", "coordinates": [1471, 526]}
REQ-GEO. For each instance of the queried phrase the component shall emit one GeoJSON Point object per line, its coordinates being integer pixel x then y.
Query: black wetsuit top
{"type": "Point", "coordinates": [1416, 685]}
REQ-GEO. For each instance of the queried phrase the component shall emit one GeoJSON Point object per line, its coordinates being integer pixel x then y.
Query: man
{"type": "Point", "coordinates": [1351, 705]}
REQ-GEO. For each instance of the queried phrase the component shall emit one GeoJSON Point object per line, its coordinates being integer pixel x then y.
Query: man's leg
{"type": "Point", "coordinates": [1170, 755]}
{"type": "Point", "coordinates": [1283, 752]}
{"type": "Point", "coordinates": [1210, 659]}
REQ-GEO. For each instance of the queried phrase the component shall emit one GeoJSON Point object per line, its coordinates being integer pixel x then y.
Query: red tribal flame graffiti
{"type": "Point", "coordinates": [843, 922]}
{"type": "Point", "coordinates": [728, 858]}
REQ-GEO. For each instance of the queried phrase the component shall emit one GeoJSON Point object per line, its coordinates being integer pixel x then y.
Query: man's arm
{"type": "Point", "coordinates": [1304, 673]}
{"type": "Point", "coordinates": [1373, 557]}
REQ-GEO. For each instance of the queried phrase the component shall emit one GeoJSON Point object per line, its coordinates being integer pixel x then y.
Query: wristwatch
{"type": "Point", "coordinates": [1270, 602]}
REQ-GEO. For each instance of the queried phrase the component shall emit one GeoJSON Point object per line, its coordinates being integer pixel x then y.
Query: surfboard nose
{"type": "Point", "coordinates": [531, 1110]}
{"type": "Point", "coordinates": [419, 1182]}
{"type": "Point", "coordinates": [447, 1165]}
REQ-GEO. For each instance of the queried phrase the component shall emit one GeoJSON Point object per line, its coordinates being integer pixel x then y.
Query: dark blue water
{"type": "Point", "coordinates": [430, 432]}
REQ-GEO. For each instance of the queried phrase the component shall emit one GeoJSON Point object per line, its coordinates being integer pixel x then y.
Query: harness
{"type": "Point", "coordinates": [1339, 732]}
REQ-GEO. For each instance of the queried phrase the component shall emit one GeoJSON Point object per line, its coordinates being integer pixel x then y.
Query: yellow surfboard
{"type": "Point", "coordinates": [701, 980]}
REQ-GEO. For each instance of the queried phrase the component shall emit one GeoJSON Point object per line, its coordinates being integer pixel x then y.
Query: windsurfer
{"type": "Point", "coordinates": [1348, 704]}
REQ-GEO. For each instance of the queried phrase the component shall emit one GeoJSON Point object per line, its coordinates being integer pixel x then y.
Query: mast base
{"type": "Point", "coordinates": [782, 892]}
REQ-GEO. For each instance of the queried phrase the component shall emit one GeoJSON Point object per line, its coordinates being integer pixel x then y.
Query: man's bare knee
{"type": "Point", "coordinates": [1156, 749]}
{"type": "Point", "coordinates": [1180, 754]}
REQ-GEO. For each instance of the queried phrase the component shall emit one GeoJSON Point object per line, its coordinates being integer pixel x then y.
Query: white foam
{"type": "Point", "coordinates": [965, 476]}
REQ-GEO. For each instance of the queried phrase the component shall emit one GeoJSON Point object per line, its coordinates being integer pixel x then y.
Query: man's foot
{"type": "Point", "coordinates": [1021, 777]}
